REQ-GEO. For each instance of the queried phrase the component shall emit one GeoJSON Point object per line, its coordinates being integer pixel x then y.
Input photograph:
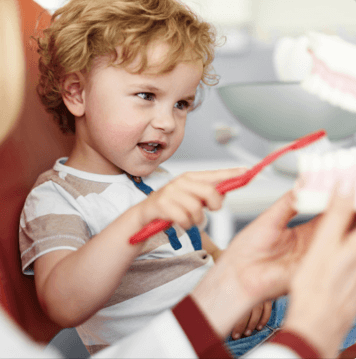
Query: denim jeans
{"type": "Point", "coordinates": [279, 307]}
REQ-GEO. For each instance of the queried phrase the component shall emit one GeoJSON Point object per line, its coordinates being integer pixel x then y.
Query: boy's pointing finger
{"type": "Point", "coordinates": [216, 176]}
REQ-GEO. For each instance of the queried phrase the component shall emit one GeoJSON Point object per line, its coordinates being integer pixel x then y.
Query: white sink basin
{"type": "Point", "coordinates": [283, 111]}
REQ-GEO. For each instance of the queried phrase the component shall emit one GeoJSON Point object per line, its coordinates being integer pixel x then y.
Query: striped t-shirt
{"type": "Point", "coordinates": [66, 207]}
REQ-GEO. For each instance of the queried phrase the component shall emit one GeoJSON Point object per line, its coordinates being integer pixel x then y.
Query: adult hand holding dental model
{"type": "Point", "coordinates": [322, 287]}
{"type": "Point", "coordinates": [326, 279]}
{"type": "Point", "coordinates": [259, 266]}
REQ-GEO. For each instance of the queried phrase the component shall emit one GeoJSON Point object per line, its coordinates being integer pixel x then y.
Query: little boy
{"type": "Point", "coordinates": [122, 75]}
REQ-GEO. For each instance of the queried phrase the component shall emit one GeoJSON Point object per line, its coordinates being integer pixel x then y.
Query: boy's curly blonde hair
{"type": "Point", "coordinates": [82, 30]}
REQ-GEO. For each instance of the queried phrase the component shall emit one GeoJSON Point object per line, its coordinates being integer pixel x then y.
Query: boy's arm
{"type": "Point", "coordinates": [73, 285]}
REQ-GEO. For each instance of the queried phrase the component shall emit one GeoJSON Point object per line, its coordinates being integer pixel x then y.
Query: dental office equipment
{"type": "Point", "coordinates": [159, 225]}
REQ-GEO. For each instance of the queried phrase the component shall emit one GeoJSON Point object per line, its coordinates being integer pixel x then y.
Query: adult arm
{"type": "Point", "coordinates": [185, 332]}
{"type": "Point", "coordinates": [258, 317]}
{"type": "Point", "coordinates": [167, 336]}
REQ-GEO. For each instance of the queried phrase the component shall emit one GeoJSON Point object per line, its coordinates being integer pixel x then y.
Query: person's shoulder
{"type": "Point", "coordinates": [44, 191]}
{"type": "Point", "coordinates": [46, 176]}
{"type": "Point", "coordinates": [50, 181]}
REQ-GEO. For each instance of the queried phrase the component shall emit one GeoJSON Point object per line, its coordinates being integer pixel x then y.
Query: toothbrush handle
{"type": "Point", "coordinates": [159, 225]}
{"type": "Point", "coordinates": [150, 230]}
{"type": "Point", "coordinates": [230, 184]}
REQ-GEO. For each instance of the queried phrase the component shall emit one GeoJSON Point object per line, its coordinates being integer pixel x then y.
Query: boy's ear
{"type": "Point", "coordinates": [73, 86]}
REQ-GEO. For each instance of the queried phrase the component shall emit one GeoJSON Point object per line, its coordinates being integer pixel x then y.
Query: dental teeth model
{"type": "Point", "coordinates": [333, 73]}
{"type": "Point", "coordinates": [318, 174]}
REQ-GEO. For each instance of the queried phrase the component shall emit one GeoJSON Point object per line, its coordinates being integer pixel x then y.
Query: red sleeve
{"type": "Point", "coordinates": [201, 335]}
{"type": "Point", "coordinates": [295, 342]}
{"type": "Point", "coordinates": [348, 353]}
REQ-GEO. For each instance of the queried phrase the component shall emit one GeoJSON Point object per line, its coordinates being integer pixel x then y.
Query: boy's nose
{"type": "Point", "coordinates": [164, 121]}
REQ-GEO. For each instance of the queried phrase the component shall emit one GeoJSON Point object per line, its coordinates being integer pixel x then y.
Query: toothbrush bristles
{"type": "Point", "coordinates": [306, 140]}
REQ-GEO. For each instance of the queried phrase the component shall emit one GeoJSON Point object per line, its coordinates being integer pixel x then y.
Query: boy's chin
{"type": "Point", "coordinates": [142, 172]}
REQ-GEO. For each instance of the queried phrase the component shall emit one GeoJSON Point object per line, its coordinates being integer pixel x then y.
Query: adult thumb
{"type": "Point", "coordinates": [280, 213]}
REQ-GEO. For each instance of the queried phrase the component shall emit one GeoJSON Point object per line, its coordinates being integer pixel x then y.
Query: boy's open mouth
{"type": "Point", "coordinates": [150, 147]}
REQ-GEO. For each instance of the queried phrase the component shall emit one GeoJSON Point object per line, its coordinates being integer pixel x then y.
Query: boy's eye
{"type": "Point", "coordinates": [182, 105]}
{"type": "Point", "coordinates": [146, 96]}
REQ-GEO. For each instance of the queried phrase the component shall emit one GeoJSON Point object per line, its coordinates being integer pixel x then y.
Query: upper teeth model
{"type": "Point", "coordinates": [333, 74]}
{"type": "Point", "coordinates": [318, 175]}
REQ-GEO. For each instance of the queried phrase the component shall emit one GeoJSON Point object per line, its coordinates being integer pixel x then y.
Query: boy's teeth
{"type": "Point", "coordinates": [149, 147]}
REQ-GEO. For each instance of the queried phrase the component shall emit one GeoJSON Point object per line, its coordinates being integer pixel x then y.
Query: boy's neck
{"type": "Point", "coordinates": [79, 159]}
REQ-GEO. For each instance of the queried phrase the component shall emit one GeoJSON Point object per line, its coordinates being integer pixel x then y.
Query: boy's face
{"type": "Point", "coordinates": [133, 122]}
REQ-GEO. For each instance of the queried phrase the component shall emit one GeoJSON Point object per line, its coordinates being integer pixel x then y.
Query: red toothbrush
{"type": "Point", "coordinates": [230, 184]}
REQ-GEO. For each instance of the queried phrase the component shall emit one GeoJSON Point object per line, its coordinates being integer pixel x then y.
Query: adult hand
{"type": "Point", "coordinates": [323, 290]}
{"type": "Point", "coordinates": [257, 266]}
{"type": "Point", "coordinates": [266, 252]}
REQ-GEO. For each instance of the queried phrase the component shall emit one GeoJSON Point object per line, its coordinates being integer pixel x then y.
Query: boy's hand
{"type": "Point", "coordinates": [257, 319]}
{"type": "Point", "coordinates": [182, 199]}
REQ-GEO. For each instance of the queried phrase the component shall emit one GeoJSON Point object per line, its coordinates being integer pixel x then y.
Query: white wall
{"type": "Point", "coordinates": [286, 17]}
{"type": "Point", "coordinates": [226, 12]}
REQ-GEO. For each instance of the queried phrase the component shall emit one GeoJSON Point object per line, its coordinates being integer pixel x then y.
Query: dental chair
{"type": "Point", "coordinates": [31, 147]}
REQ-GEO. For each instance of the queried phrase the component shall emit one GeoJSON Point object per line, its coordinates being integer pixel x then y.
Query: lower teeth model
{"type": "Point", "coordinates": [318, 175]}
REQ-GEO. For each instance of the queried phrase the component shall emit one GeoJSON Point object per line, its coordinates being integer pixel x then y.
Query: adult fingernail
{"type": "Point", "coordinates": [345, 187]}
{"type": "Point", "coordinates": [237, 336]}
{"type": "Point", "coordinates": [260, 327]}
{"type": "Point", "coordinates": [248, 333]}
